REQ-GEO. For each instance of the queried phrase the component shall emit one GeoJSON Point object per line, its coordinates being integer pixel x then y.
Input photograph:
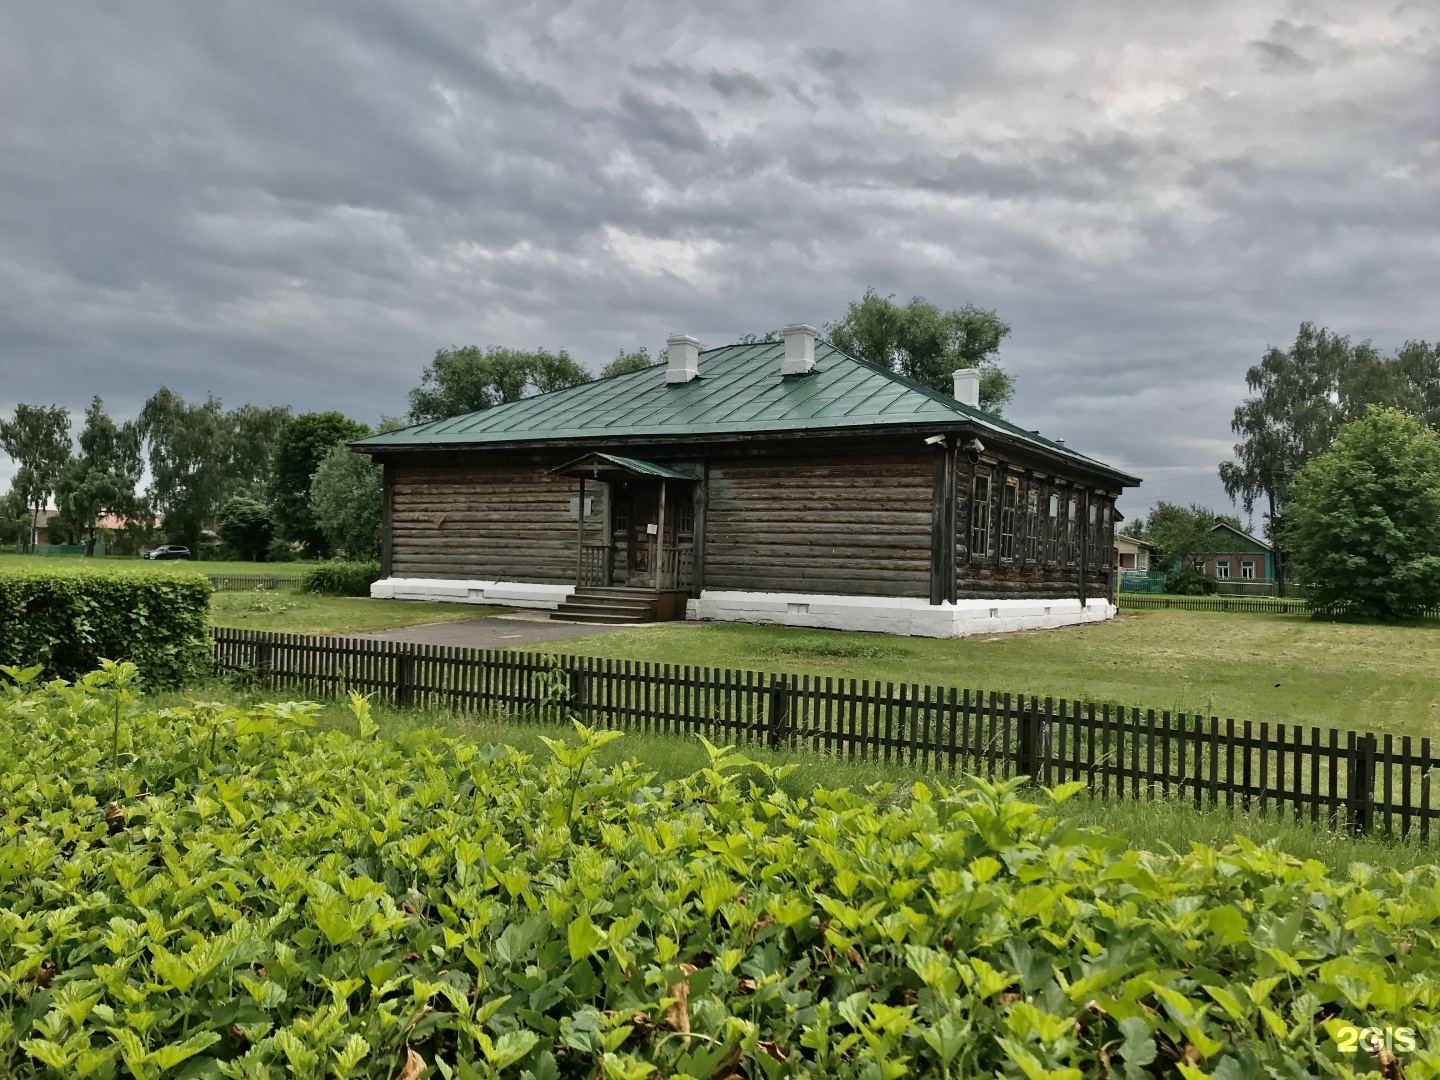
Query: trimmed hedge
{"type": "Point", "coordinates": [69, 620]}
{"type": "Point", "coordinates": [341, 578]}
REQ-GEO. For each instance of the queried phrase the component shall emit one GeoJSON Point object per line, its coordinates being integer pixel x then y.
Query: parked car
{"type": "Point", "coordinates": [169, 551]}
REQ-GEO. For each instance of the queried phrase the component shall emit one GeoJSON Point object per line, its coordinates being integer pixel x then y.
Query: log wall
{"type": "Point", "coordinates": [856, 526]}
{"type": "Point", "coordinates": [858, 522]}
{"type": "Point", "coordinates": [506, 520]}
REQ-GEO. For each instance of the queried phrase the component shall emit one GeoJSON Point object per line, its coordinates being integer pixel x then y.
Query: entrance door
{"type": "Point", "coordinates": [643, 541]}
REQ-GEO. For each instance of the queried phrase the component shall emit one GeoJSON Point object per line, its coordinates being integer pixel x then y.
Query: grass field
{"type": "Point", "coordinates": [287, 612]}
{"type": "Point", "coordinates": [1261, 667]}
{"type": "Point", "coordinates": [1156, 826]}
{"type": "Point", "coordinates": [9, 560]}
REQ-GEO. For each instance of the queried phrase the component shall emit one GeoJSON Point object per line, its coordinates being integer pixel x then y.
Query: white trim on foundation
{"type": "Point", "coordinates": [469, 591]}
{"type": "Point", "coordinates": [910, 617]}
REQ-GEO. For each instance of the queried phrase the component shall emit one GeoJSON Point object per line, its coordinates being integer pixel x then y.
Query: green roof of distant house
{"type": "Point", "coordinates": [739, 390]}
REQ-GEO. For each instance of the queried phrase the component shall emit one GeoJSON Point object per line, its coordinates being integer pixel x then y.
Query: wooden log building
{"type": "Point", "coordinates": [781, 482]}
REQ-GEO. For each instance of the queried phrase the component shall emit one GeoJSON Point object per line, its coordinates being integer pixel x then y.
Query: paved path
{"type": "Point", "coordinates": [495, 632]}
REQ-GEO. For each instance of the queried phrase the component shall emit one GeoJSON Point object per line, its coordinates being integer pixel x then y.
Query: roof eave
{"type": "Point", "coordinates": [959, 425]}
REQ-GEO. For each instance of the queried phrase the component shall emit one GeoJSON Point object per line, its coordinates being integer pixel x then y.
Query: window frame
{"type": "Point", "coordinates": [1009, 511]}
{"type": "Point", "coordinates": [980, 516]}
{"type": "Point", "coordinates": [1031, 552]}
{"type": "Point", "coordinates": [1222, 569]}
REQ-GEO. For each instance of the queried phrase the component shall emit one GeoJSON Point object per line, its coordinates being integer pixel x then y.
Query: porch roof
{"type": "Point", "coordinates": [603, 466]}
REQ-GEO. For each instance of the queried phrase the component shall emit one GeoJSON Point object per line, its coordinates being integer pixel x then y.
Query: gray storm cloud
{"type": "Point", "coordinates": [299, 204]}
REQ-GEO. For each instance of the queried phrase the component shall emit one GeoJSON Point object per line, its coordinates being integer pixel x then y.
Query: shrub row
{"type": "Point", "coordinates": [67, 620]}
{"type": "Point", "coordinates": [225, 893]}
{"type": "Point", "coordinates": [341, 578]}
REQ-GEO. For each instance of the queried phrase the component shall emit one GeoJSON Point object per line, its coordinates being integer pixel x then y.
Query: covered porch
{"type": "Point", "coordinates": [637, 525]}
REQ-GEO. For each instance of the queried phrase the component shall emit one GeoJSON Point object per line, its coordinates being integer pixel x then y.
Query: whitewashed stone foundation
{"type": "Point", "coordinates": [892, 615]}
{"type": "Point", "coordinates": [457, 591]}
{"type": "Point", "coordinates": [909, 617]}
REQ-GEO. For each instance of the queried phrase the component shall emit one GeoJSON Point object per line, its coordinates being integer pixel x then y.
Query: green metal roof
{"type": "Point", "coordinates": [739, 390]}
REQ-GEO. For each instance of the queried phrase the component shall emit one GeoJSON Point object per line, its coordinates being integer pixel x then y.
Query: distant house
{"type": "Point", "coordinates": [1131, 554]}
{"type": "Point", "coordinates": [40, 526]}
{"type": "Point", "coordinates": [783, 482]}
{"type": "Point", "coordinates": [1235, 555]}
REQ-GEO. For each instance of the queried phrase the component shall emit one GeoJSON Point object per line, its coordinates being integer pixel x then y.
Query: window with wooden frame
{"type": "Point", "coordinates": [1072, 532]}
{"type": "Point", "coordinates": [1032, 522]}
{"type": "Point", "coordinates": [1009, 507]}
{"type": "Point", "coordinates": [980, 517]}
{"type": "Point", "coordinates": [685, 515]}
{"type": "Point", "coordinates": [1107, 534]}
{"type": "Point", "coordinates": [619, 508]}
{"type": "Point", "coordinates": [1247, 569]}
{"type": "Point", "coordinates": [1222, 569]}
{"type": "Point", "coordinates": [1052, 531]}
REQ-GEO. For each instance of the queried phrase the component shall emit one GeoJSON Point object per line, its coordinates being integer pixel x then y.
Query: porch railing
{"type": "Point", "coordinates": [595, 565]}
{"type": "Point", "coordinates": [676, 566]}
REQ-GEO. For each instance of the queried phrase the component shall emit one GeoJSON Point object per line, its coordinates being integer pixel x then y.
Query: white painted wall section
{"type": "Point", "coordinates": [469, 591]}
{"type": "Point", "coordinates": [910, 617]}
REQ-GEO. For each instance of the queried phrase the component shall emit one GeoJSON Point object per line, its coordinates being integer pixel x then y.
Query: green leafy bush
{"type": "Point", "coordinates": [1188, 581]}
{"type": "Point", "coordinates": [228, 892]}
{"type": "Point", "coordinates": [69, 619]}
{"type": "Point", "coordinates": [341, 578]}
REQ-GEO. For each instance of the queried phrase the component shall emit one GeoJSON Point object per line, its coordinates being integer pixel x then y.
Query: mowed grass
{"type": "Point", "coordinates": [11, 561]}
{"type": "Point", "coordinates": [1262, 667]}
{"type": "Point", "coordinates": [1160, 825]}
{"type": "Point", "coordinates": [289, 612]}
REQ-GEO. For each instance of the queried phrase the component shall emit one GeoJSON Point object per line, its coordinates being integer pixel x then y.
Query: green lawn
{"type": "Point", "coordinates": [1284, 668]}
{"type": "Point", "coordinates": [286, 612]}
{"type": "Point", "coordinates": [11, 561]}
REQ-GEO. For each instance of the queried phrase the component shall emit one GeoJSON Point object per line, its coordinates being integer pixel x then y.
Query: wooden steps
{"type": "Point", "coordinates": [598, 604]}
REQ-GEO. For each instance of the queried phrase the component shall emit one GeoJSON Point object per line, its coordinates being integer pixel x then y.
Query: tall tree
{"type": "Point", "coordinates": [345, 497]}
{"type": "Point", "coordinates": [1179, 535]}
{"type": "Point", "coordinates": [926, 344]}
{"type": "Point", "coordinates": [626, 362]}
{"type": "Point", "coordinates": [1292, 414]}
{"type": "Point", "coordinates": [468, 379]}
{"type": "Point", "coordinates": [1362, 526]}
{"type": "Point", "coordinates": [14, 516]}
{"type": "Point", "coordinates": [254, 434]}
{"type": "Point", "coordinates": [303, 444]}
{"type": "Point", "coordinates": [102, 478]}
{"type": "Point", "coordinates": [37, 438]}
{"type": "Point", "coordinates": [1419, 362]}
{"type": "Point", "coordinates": [187, 449]}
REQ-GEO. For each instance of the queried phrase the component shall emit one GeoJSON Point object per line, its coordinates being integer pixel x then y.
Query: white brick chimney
{"type": "Point", "coordinates": [799, 349]}
{"type": "Point", "coordinates": [682, 358]}
{"type": "Point", "coordinates": [967, 387]}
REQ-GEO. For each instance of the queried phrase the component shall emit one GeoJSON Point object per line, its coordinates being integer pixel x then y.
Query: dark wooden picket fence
{"type": "Point", "coordinates": [251, 582]}
{"type": "Point", "coordinates": [1360, 781]}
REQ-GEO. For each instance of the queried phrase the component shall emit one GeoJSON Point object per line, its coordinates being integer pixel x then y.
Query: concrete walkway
{"type": "Point", "coordinates": [496, 631]}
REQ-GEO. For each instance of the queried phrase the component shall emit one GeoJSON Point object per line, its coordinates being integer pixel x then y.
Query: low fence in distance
{"type": "Point", "coordinates": [1363, 782]}
{"type": "Point", "coordinates": [1268, 605]}
{"type": "Point", "coordinates": [1272, 605]}
{"type": "Point", "coordinates": [251, 582]}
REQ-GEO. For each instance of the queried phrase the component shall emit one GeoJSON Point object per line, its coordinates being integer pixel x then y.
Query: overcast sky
{"type": "Point", "coordinates": [298, 204]}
